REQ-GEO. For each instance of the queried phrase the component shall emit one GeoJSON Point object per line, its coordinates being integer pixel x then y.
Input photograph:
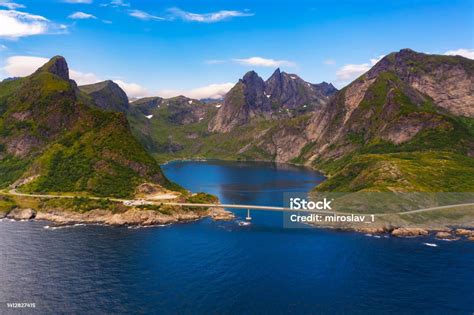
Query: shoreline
{"type": "Point", "coordinates": [130, 217]}
{"type": "Point", "coordinates": [137, 218]}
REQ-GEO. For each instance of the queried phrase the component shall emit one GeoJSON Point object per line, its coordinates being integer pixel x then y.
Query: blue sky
{"type": "Point", "coordinates": [173, 47]}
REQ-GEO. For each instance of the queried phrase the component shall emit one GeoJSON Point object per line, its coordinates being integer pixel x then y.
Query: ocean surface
{"type": "Point", "coordinates": [207, 267]}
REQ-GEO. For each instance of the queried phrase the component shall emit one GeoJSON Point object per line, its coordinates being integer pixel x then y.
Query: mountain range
{"type": "Point", "coordinates": [405, 125]}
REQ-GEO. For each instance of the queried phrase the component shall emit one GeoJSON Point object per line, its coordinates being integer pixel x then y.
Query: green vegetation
{"type": "Point", "coordinates": [48, 128]}
{"type": "Point", "coordinates": [6, 204]}
{"type": "Point", "coordinates": [167, 139]}
{"type": "Point", "coordinates": [81, 204]}
{"type": "Point", "coordinates": [431, 171]}
{"type": "Point", "coordinates": [203, 198]}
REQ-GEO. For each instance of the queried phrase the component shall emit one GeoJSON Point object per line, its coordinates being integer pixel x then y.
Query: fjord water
{"type": "Point", "coordinates": [216, 267]}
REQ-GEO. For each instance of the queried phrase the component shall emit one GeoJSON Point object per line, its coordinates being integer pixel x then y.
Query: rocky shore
{"type": "Point", "coordinates": [448, 234]}
{"type": "Point", "coordinates": [141, 217]}
{"type": "Point", "coordinates": [130, 217]}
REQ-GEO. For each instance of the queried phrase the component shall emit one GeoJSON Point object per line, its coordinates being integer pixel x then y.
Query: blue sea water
{"type": "Point", "coordinates": [209, 267]}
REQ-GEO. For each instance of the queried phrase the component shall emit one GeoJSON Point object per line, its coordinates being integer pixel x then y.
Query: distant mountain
{"type": "Point", "coordinates": [211, 100]}
{"type": "Point", "coordinates": [177, 110]}
{"type": "Point", "coordinates": [53, 139]}
{"type": "Point", "coordinates": [282, 95]}
{"type": "Point", "coordinates": [405, 125]}
{"type": "Point", "coordinates": [107, 95]}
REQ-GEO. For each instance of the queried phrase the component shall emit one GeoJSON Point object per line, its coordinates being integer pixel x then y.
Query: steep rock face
{"type": "Point", "coordinates": [57, 66]}
{"type": "Point", "coordinates": [388, 109]}
{"type": "Point", "coordinates": [48, 132]}
{"type": "Point", "coordinates": [283, 95]}
{"type": "Point", "coordinates": [394, 103]}
{"type": "Point", "coordinates": [448, 80]}
{"type": "Point", "coordinates": [243, 102]}
{"type": "Point", "coordinates": [107, 95]}
{"type": "Point", "coordinates": [289, 91]}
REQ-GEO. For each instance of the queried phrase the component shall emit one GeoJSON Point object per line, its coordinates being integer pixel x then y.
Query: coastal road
{"type": "Point", "coordinates": [235, 206]}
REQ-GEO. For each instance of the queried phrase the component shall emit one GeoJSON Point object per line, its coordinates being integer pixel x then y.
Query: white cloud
{"type": "Point", "coordinates": [329, 62]}
{"type": "Point", "coordinates": [20, 66]}
{"type": "Point", "coordinates": [208, 17]}
{"type": "Point", "coordinates": [15, 24]}
{"type": "Point", "coordinates": [142, 15]}
{"type": "Point", "coordinates": [3, 47]}
{"type": "Point", "coordinates": [116, 3]}
{"type": "Point", "coordinates": [83, 78]}
{"type": "Point", "coordinates": [468, 53]}
{"type": "Point", "coordinates": [210, 91]}
{"type": "Point", "coordinates": [78, 1]}
{"type": "Point", "coordinates": [351, 71]}
{"type": "Point", "coordinates": [81, 16]}
{"type": "Point", "coordinates": [11, 5]}
{"type": "Point", "coordinates": [264, 62]}
{"type": "Point", "coordinates": [133, 90]}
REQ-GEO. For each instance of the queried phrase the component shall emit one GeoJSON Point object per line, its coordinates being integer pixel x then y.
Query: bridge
{"type": "Point", "coordinates": [235, 206]}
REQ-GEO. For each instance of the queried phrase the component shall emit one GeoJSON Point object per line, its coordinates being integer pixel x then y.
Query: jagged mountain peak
{"type": "Point", "coordinates": [56, 65]}
{"type": "Point", "coordinates": [281, 95]}
{"type": "Point", "coordinates": [251, 77]}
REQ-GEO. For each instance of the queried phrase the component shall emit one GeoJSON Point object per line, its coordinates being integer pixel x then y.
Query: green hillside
{"type": "Point", "coordinates": [53, 137]}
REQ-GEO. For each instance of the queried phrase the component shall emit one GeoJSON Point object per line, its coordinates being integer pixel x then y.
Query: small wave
{"type": "Point", "coordinates": [243, 223]}
{"type": "Point", "coordinates": [136, 227]}
{"type": "Point", "coordinates": [373, 235]}
{"type": "Point", "coordinates": [430, 244]}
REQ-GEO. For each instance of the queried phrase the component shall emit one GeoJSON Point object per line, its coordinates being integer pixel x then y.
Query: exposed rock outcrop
{"type": "Point", "coordinates": [220, 214]}
{"type": "Point", "coordinates": [21, 214]}
{"type": "Point", "coordinates": [57, 66]}
{"type": "Point", "coordinates": [442, 235]}
{"type": "Point", "coordinates": [465, 232]}
{"type": "Point", "coordinates": [409, 232]}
